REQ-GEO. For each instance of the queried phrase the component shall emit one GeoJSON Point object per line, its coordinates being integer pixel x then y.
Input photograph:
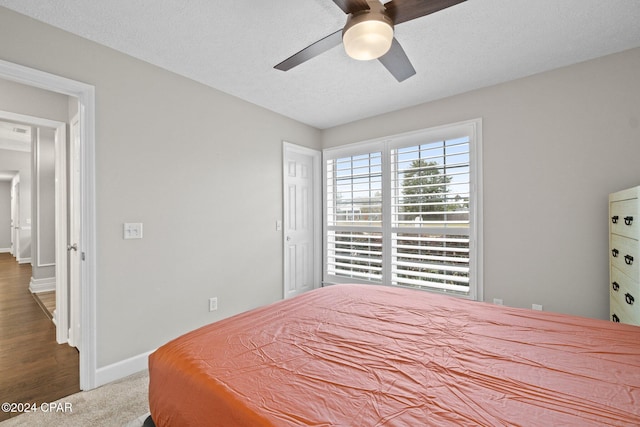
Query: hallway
{"type": "Point", "coordinates": [33, 367]}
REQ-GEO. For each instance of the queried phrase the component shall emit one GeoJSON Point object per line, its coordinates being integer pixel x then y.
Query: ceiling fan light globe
{"type": "Point", "coordinates": [368, 39]}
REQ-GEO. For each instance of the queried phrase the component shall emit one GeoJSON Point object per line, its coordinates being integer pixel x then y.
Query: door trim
{"type": "Point", "coordinates": [317, 213]}
{"type": "Point", "coordinates": [87, 246]}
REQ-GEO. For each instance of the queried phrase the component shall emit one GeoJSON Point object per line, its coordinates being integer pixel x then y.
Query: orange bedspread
{"type": "Point", "coordinates": [353, 355]}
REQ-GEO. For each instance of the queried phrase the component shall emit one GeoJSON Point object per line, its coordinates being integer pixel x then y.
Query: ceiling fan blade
{"type": "Point", "coordinates": [311, 51]}
{"type": "Point", "coordinates": [405, 10]}
{"type": "Point", "coordinates": [397, 62]}
{"type": "Point", "coordinates": [351, 6]}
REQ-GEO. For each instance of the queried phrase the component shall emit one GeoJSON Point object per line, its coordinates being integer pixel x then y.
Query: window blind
{"type": "Point", "coordinates": [354, 216]}
{"type": "Point", "coordinates": [430, 220]}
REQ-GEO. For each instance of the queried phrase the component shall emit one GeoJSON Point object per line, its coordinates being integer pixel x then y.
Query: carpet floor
{"type": "Point", "coordinates": [122, 403]}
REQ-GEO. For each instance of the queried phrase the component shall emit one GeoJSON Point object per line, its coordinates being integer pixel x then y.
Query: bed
{"type": "Point", "coordinates": [362, 355]}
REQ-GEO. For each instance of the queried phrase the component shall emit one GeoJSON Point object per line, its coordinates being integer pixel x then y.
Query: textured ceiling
{"type": "Point", "coordinates": [232, 45]}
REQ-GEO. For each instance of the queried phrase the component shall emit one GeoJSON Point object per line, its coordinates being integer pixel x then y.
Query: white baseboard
{"type": "Point", "coordinates": [5, 250]}
{"type": "Point", "coordinates": [46, 284]}
{"type": "Point", "coordinates": [122, 369]}
{"type": "Point", "coordinates": [24, 260]}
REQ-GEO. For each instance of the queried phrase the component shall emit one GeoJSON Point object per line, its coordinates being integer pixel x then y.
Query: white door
{"type": "Point", "coordinates": [302, 205]}
{"type": "Point", "coordinates": [74, 233]}
{"type": "Point", "coordinates": [61, 313]}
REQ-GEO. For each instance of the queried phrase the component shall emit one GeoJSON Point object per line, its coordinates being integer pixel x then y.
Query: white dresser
{"type": "Point", "coordinates": [624, 256]}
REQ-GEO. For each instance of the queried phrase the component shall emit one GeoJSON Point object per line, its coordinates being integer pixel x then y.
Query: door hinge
{"type": "Point", "coordinates": [82, 256]}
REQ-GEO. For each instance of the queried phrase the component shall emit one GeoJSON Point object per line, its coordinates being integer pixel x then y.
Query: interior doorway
{"type": "Point", "coordinates": [52, 219]}
{"type": "Point", "coordinates": [34, 364]}
{"type": "Point", "coordinates": [85, 206]}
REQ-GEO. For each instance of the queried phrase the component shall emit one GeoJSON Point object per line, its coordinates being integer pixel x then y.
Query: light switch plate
{"type": "Point", "coordinates": [132, 230]}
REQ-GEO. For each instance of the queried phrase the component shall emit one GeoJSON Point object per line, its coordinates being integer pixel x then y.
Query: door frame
{"type": "Point", "coordinates": [317, 212]}
{"type": "Point", "coordinates": [87, 212]}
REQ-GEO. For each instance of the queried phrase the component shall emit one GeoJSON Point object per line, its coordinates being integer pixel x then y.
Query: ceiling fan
{"type": "Point", "coordinates": [368, 33]}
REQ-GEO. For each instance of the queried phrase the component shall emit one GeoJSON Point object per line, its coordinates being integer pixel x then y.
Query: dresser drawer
{"type": "Point", "coordinates": [621, 284]}
{"type": "Point", "coordinates": [624, 219]}
{"type": "Point", "coordinates": [620, 311]}
{"type": "Point", "coordinates": [624, 255]}
{"type": "Point", "coordinates": [624, 294]}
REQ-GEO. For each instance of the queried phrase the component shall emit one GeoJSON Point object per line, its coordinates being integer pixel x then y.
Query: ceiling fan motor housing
{"type": "Point", "coordinates": [367, 34]}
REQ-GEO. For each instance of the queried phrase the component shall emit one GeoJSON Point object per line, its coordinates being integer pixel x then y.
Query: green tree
{"type": "Point", "coordinates": [424, 188]}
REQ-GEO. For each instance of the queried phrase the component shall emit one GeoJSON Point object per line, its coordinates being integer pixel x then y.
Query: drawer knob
{"type": "Point", "coordinates": [628, 220]}
{"type": "Point", "coordinates": [615, 318]}
{"type": "Point", "coordinates": [628, 259]}
{"type": "Point", "coordinates": [615, 252]}
{"type": "Point", "coordinates": [629, 298]}
{"type": "Point", "coordinates": [615, 286]}
{"type": "Point", "coordinates": [614, 219]}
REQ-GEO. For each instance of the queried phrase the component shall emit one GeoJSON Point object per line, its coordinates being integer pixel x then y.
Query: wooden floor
{"type": "Point", "coordinates": [33, 367]}
{"type": "Point", "coordinates": [47, 302]}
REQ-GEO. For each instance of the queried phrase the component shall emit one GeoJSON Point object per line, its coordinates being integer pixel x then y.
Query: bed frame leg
{"type": "Point", "coordinates": [149, 422]}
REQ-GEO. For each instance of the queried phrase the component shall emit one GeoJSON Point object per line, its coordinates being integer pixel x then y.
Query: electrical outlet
{"type": "Point", "coordinates": [213, 304]}
{"type": "Point", "coordinates": [537, 307]}
{"type": "Point", "coordinates": [498, 301]}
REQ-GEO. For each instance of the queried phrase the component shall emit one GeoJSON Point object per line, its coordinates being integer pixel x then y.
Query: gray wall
{"type": "Point", "coordinates": [555, 145]}
{"type": "Point", "coordinates": [20, 161]}
{"type": "Point", "coordinates": [201, 169]}
{"type": "Point", "coordinates": [31, 101]}
{"type": "Point", "coordinates": [5, 215]}
{"type": "Point", "coordinates": [43, 204]}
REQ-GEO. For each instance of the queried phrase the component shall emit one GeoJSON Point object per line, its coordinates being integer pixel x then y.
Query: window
{"type": "Point", "coordinates": [406, 211]}
{"type": "Point", "coordinates": [354, 211]}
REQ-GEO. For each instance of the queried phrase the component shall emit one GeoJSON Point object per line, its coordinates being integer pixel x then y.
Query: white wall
{"type": "Point", "coordinates": [555, 145]}
{"type": "Point", "coordinates": [5, 215]}
{"type": "Point", "coordinates": [201, 169]}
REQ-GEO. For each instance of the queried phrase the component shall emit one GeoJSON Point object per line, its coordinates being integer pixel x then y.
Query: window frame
{"type": "Point", "coordinates": [469, 128]}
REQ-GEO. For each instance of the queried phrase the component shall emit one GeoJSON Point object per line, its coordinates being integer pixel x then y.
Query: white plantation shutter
{"type": "Point", "coordinates": [430, 215]}
{"type": "Point", "coordinates": [406, 211]}
{"type": "Point", "coordinates": [354, 216]}
{"type": "Point", "coordinates": [355, 255]}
